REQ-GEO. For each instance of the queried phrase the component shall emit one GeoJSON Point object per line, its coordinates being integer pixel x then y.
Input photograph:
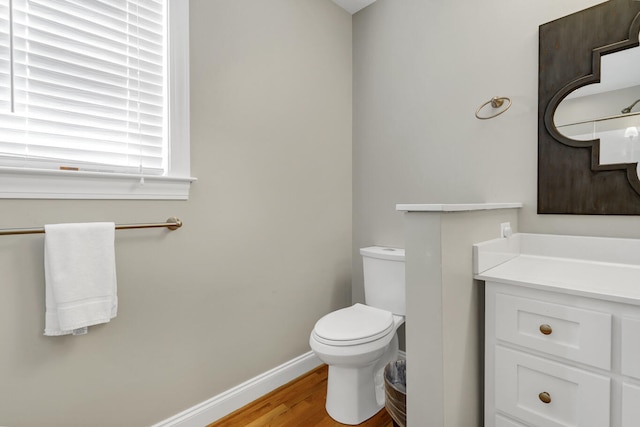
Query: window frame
{"type": "Point", "coordinates": [28, 183]}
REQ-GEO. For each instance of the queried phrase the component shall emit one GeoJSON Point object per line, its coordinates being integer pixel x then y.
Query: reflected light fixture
{"type": "Point", "coordinates": [628, 109]}
{"type": "Point", "coordinates": [631, 132]}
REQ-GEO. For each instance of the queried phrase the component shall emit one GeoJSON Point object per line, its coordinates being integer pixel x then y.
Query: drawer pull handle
{"type": "Point", "coordinates": [546, 329]}
{"type": "Point", "coordinates": [545, 397]}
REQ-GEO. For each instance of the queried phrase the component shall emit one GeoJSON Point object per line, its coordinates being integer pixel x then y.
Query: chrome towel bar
{"type": "Point", "coordinates": [172, 223]}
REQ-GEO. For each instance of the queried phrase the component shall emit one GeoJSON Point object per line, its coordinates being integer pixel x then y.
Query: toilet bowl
{"type": "Point", "coordinates": [356, 354]}
{"type": "Point", "coordinates": [357, 342]}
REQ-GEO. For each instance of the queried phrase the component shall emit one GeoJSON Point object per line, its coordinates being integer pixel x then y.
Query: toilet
{"type": "Point", "coordinates": [359, 341]}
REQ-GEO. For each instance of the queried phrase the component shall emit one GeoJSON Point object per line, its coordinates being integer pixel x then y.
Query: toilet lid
{"type": "Point", "coordinates": [357, 324]}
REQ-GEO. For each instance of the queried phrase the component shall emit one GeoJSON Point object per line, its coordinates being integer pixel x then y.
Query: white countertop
{"type": "Point", "coordinates": [522, 262]}
{"type": "Point", "coordinates": [455, 207]}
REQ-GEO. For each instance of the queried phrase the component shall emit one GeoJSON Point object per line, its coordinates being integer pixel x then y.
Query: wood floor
{"type": "Point", "coordinates": [297, 404]}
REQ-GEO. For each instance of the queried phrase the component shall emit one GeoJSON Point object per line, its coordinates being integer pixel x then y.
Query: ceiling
{"type": "Point", "coordinates": [352, 6]}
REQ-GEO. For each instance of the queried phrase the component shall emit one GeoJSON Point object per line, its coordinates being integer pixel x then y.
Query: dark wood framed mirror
{"type": "Point", "coordinates": [573, 175]}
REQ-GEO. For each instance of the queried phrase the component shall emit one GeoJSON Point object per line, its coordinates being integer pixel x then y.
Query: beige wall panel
{"type": "Point", "coordinates": [265, 249]}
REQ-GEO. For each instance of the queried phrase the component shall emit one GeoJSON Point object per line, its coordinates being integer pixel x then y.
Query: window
{"type": "Point", "coordinates": [94, 99]}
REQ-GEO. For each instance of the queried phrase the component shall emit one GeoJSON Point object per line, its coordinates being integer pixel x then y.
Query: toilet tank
{"type": "Point", "coordinates": [384, 285]}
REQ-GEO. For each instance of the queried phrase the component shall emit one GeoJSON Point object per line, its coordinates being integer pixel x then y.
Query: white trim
{"type": "Point", "coordinates": [455, 207]}
{"type": "Point", "coordinates": [18, 183]}
{"type": "Point", "coordinates": [178, 102]}
{"type": "Point", "coordinates": [237, 397]}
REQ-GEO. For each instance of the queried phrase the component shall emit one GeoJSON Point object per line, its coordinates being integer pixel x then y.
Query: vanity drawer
{"type": "Point", "coordinates": [549, 394]}
{"type": "Point", "coordinates": [630, 347]}
{"type": "Point", "coordinates": [569, 332]}
{"type": "Point", "coordinates": [506, 422]}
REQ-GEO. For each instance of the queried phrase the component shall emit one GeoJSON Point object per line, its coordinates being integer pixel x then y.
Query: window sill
{"type": "Point", "coordinates": [18, 183]}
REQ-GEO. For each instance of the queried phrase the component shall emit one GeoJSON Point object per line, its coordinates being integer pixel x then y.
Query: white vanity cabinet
{"type": "Point", "coordinates": [562, 339]}
{"type": "Point", "coordinates": [549, 358]}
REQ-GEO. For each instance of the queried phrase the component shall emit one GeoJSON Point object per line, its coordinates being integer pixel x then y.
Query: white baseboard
{"type": "Point", "coordinates": [225, 403]}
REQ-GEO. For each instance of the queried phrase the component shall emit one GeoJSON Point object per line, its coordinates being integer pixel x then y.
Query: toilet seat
{"type": "Point", "coordinates": [358, 324]}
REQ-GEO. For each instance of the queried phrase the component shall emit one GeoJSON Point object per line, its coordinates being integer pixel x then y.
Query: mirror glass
{"type": "Point", "coordinates": [609, 110]}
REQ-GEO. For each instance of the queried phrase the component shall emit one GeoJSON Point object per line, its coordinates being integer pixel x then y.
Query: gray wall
{"type": "Point", "coordinates": [264, 252]}
{"type": "Point", "coordinates": [421, 69]}
{"type": "Point", "coordinates": [444, 311]}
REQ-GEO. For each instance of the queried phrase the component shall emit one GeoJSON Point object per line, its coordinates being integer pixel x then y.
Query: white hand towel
{"type": "Point", "coordinates": [80, 275]}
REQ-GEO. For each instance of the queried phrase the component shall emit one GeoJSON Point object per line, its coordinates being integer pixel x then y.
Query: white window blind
{"type": "Point", "coordinates": [5, 56]}
{"type": "Point", "coordinates": [83, 84]}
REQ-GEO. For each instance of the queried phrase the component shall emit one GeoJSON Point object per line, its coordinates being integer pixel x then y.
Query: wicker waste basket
{"type": "Point", "coordinates": [395, 388]}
